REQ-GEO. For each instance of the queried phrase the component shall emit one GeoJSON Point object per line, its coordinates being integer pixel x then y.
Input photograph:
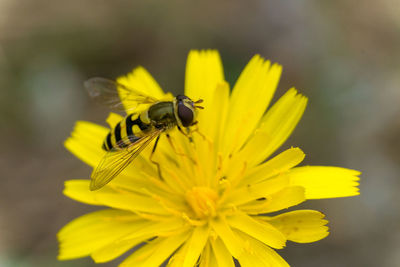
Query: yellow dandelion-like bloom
{"type": "Point", "coordinates": [212, 205]}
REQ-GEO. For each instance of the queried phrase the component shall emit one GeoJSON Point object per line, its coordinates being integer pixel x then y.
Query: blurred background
{"type": "Point", "coordinates": [344, 55]}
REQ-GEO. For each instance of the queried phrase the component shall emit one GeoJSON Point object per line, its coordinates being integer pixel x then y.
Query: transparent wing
{"type": "Point", "coordinates": [113, 94]}
{"type": "Point", "coordinates": [116, 160]}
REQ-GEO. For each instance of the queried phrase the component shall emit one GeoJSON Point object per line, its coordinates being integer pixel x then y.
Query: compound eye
{"type": "Point", "coordinates": [185, 114]}
{"type": "Point", "coordinates": [181, 97]}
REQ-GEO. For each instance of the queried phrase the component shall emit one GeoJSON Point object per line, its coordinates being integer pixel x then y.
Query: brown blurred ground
{"type": "Point", "coordinates": [342, 54]}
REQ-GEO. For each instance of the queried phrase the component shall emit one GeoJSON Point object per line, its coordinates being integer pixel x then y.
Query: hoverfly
{"type": "Point", "coordinates": [131, 135]}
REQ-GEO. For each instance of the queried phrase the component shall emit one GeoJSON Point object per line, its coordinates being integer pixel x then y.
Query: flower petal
{"type": "Point", "coordinates": [205, 80]}
{"type": "Point", "coordinates": [120, 199]}
{"type": "Point", "coordinates": [203, 73]}
{"type": "Point", "coordinates": [220, 107]}
{"type": "Point", "coordinates": [325, 182]}
{"type": "Point", "coordinates": [249, 100]}
{"type": "Point", "coordinates": [275, 127]}
{"type": "Point", "coordinates": [184, 253]}
{"type": "Point", "coordinates": [265, 255]}
{"type": "Point", "coordinates": [207, 258]}
{"type": "Point", "coordinates": [232, 242]}
{"type": "Point", "coordinates": [264, 232]}
{"type": "Point", "coordinates": [196, 244]}
{"type": "Point", "coordinates": [115, 249]}
{"type": "Point", "coordinates": [95, 230]}
{"type": "Point", "coordinates": [166, 226]}
{"type": "Point", "coordinates": [118, 247]}
{"type": "Point", "coordinates": [251, 192]}
{"type": "Point", "coordinates": [301, 226]}
{"type": "Point", "coordinates": [212, 118]}
{"type": "Point", "coordinates": [85, 142]}
{"type": "Point", "coordinates": [222, 255]}
{"type": "Point", "coordinates": [79, 191]}
{"type": "Point", "coordinates": [211, 121]}
{"type": "Point", "coordinates": [238, 247]}
{"type": "Point", "coordinates": [285, 198]}
{"type": "Point", "coordinates": [178, 257]}
{"type": "Point", "coordinates": [155, 252]}
{"type": "Point", "coordinates": [275, 166]}
{"type": "Point", "coordinates": [142, 82]}
{"type": "Point", "coordinates": [132, 202]}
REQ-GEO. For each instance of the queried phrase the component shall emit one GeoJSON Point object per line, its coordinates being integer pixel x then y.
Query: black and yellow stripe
{"type": "Point", "coordinates": [127, 131]}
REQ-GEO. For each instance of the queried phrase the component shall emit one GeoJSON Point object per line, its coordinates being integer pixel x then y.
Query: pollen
{"type": "Point", "coordinates": [203, 201]}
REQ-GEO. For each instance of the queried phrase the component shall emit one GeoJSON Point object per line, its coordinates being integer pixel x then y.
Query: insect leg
{"type": "Point", "coordinates": [196, 130]}
{"type": "Point", "coordinates": [155, 162]}
{"type": "Point", "coordinates": [177, 152]}
{"type": "Point", "coordinates": [188, 135]}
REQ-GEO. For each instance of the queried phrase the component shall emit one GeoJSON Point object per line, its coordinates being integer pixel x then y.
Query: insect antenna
{"type": "Point", "coordinates": [198, 102]}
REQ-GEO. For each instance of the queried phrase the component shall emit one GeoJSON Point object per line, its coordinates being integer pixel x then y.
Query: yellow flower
{"type": "Point", "coordinates": [213, 203]}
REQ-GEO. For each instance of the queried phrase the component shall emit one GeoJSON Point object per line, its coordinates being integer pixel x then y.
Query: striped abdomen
{"type": "Point", "coordinates": [127, 131]}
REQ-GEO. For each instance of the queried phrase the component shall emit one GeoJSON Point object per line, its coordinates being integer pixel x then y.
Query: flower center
{"type": "Point", "coordinates": [203, 201]}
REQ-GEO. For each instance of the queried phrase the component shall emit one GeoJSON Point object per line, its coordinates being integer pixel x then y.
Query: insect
{"type": "Point", "coordinates": [137, 130]}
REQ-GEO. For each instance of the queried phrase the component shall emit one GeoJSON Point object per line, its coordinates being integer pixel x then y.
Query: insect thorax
{"type": "Point", "coordinates": [162, 114]}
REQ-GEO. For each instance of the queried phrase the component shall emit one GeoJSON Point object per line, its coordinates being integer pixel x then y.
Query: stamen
{"type": "Point", "coordinates": [203, 201]}
{"type": "Point", "coordinates": [148, 216]}
{"type": "Point", "coordinates": [164, 204]}
{"type": "Point", "coordinates": [191, 221]}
